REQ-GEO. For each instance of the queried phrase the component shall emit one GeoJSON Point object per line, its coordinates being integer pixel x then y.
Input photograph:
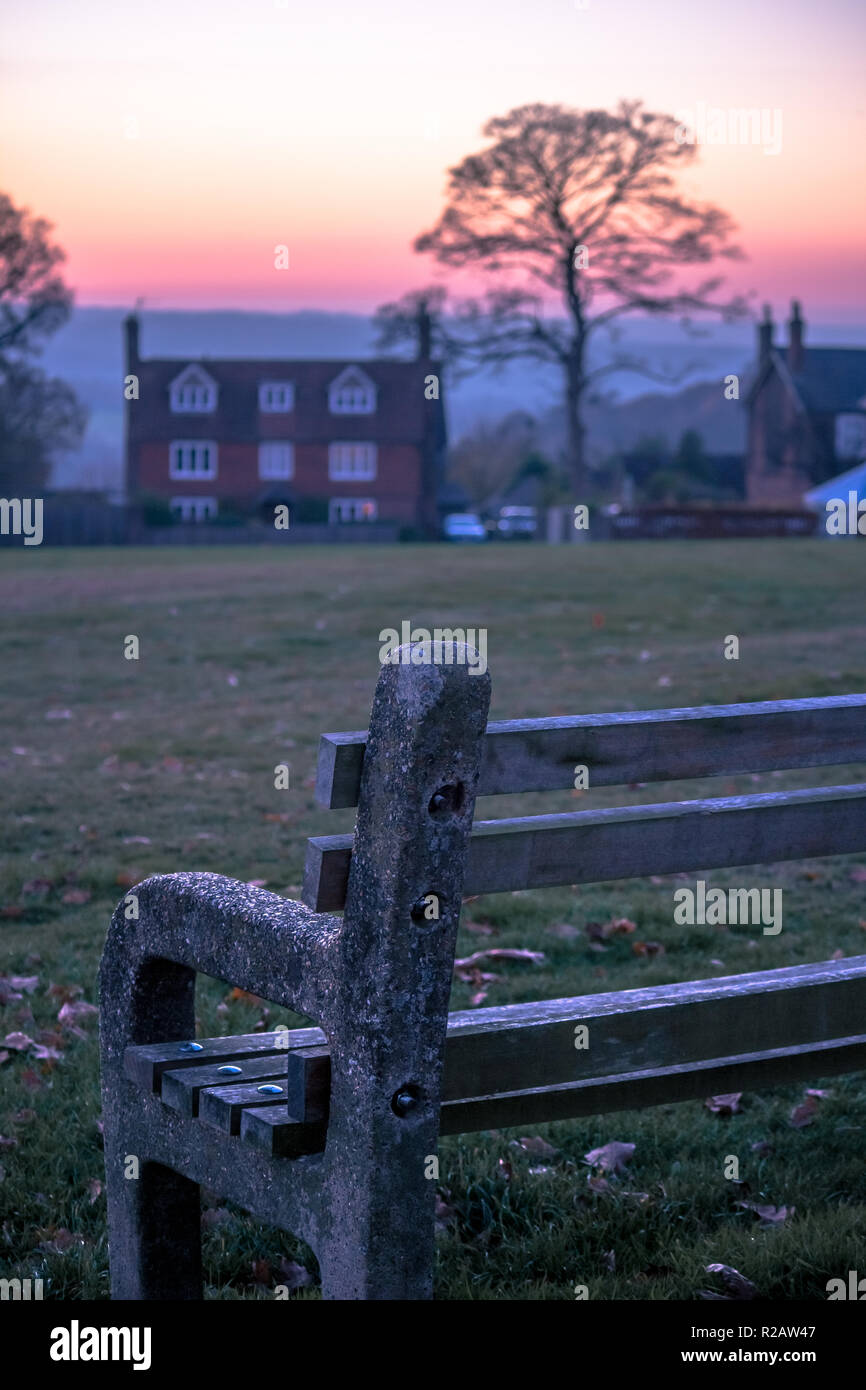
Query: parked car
{"type": "Point", "coordinates": [463, 526]}
{"type": "Point", "coordinates": [517, 523]}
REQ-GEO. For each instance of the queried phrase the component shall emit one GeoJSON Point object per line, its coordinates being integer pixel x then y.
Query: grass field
{"type": "Point", "coordinates": [116, 769]}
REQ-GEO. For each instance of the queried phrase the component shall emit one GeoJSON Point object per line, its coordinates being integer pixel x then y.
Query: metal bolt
{"type": "Point", "coordinates": [190, 1047]}
{"type": "Point", "coordinates": [270, 1090]}
{"type": "Point", "coordinates": [229, 1071]}
{"type": "Point", "coordinates": [405, 1100]}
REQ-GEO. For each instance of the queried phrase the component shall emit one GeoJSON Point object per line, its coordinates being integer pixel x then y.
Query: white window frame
{"type": "Point", "coordinates": [352, 393]}
{"type": "Point", "coordinates": [352, 509]}
{"type": "Point", "coordinates": [270, 471]}
{"type": "Point", "coordinates": [195, 508]}
{"type": "Point", "coordinates": [359, 466]}
{"type": "Point", "coordinates": [276, 397]}
{"type": "Point", "coordinates": [186, 457]}
{"type": "Point", "coordinates": [193, 398]}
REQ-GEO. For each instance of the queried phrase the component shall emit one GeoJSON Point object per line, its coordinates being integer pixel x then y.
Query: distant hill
{"type": "Point", "coordinates": [87, 354]}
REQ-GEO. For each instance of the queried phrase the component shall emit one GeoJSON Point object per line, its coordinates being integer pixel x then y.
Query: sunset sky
{"type": "Point", "coordinates": [173, 144]}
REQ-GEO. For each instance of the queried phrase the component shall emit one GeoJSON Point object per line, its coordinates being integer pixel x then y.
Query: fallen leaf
{"type": "Point", "coordinates": [65, 992]}
{"type": "Point", "coordinates": [128, 878]}
{"type": "Point", "coordinates": [76, 896]}
{"type": "Point", "coordinates": [26, 982]}
{"type": "Point", "coordinates": [770, 1216]}
{"type": "Point", "coordinates": [4, 1056]}
{"type": "Point", "coordinates": [245, 997]}
{"type": "Point", "coordinates": [725, 1105]}
{"type": "Point", "coordinates": [610, 1158]}
{"type": "Point", "coordinates": [18, 1042]}
{"type": "Point", "coordinates": [534, 1144]}
{"type": "Point", "coordinates": [23, 1117]}
{"type": "Point", "coordinates": [499, 953]}
{"type": "Point", "coordinates": [46, 1054]}
{"type": "Point", "coordinates": [504, 1167]}
{"type": "Point", "coordinates": [58, 1241]}
{"type": "Point", "coordinates": [838, 954]}
{"type": "Point", "coordinates": [739, 1287]}
{"type": "Point", "coordinates": [8, 1143]}
{"type": "Point", "coordinates": [858, 874]}
{"type": "Point", "coordinates": [804, 1113]}
{"type": "Point", "coordinates": [257, 882]}
{"type": "Point", "coordinates": [31, 1079]}
{"type": "Point", "coordinates": [215, 1216]}
{"type": "Point", "coordinates": [478, 998]}
{"type": "Point", "coordinates": [616, 926]}
{"type": "Point", "coordinates": [261, 1271]}
{"type": "Point", "coordinates": [94, 1189]}
{"type": "Point", "coordinates": [72, 1011]}
{"type": "Point", "coordinates": [647, 948]}
{"type": "Point", "coordinates": [8, 995]}
{"type": "Point", "coordinates": [445, 1215]}
{"type": "Point", "coordinates": [596, 1183]}
{"type": "Point", "coordinates": [11, 911]}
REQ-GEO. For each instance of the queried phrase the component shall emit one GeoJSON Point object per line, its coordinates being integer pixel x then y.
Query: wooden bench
{"type": "Point", "coordinates": [327, 1131]}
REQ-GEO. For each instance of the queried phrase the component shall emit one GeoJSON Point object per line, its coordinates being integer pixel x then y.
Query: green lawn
{"type": "Point", "coordinates": [117, 769]}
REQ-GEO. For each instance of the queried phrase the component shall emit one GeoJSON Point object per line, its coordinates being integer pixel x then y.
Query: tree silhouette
{"type": "Point", "coordinates": [38, 414]}
{"type": "Point", "coordinates": [576, 211]}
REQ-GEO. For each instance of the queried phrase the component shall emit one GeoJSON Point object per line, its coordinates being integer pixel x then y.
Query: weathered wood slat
{"type": "Point", "coordinates": [523, 755]}
{"type": "Point", "coordinates": [221, 1106]}
{"type": "Point", "coordinates": [181, 1089]}
{"type": "Point", "coordinates": [665, 1086]}
{"type": "Point", "coordinates": [630, 842]}
{"type": "Point", "coordinates": [145, 1064]}
{"type": "Point", "coordinates": [268, 1128]}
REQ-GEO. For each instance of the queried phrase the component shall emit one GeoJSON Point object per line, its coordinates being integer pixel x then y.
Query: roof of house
{"type": "Point", "coordinates": [854, 480]}
{"type": "Point", "coordinates": [402, 415]}
{"type": "Point", "coordinates": [831, 379]}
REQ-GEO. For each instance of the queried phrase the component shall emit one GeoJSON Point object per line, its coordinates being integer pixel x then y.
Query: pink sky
{"type": "Point", "coordinates": [174, 145]}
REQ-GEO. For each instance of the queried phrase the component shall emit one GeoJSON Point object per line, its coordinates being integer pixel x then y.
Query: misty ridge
{"type": "Point", "coordinates": [87, 354]}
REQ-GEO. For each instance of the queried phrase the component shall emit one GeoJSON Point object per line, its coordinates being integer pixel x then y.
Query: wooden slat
{"type": "Point", "coordinates": [221, 1106]}
{"type": "Point", "coordinates": [308, 1083]}
{"type": "Point", "coordinates": [181, 1089]}
{"type": "Point", "coordinates": [518, 1064]}
{"type": "Point", "coordinates": [269, 1130]}
{"type": "Point", "coordinates": [523, 755]}
{"type": "Point", "coordinates": [666, 1086]}
{"type": "Point", "coordinates": [630, 842]}
{"type": "Point", "coordinates": [145, 1064]}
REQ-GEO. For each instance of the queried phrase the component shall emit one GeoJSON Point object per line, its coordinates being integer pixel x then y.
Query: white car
{"type": "Point", "coordinates": [463, 526]}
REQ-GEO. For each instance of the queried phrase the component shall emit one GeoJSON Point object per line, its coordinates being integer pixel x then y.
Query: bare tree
{"type": "Point", "coordinates": [38, 414]}
{"type": "Point", "coordinates": [577, 211]}
{"type": "Point", "coordinates": [485, 459]}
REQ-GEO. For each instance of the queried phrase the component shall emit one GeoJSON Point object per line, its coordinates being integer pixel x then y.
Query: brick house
{"type": "Point", "coordinates": [336, 441]}
{"type": "Point", "coordinates": [807, 415]}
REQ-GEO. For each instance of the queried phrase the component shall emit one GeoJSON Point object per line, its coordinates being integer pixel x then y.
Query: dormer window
{"type": "Point", "coordinates": [276, 397]}
{"type": "Point", "coordinates": [352, 393]}
{"type": "Point", "coordinates": [194, 392]}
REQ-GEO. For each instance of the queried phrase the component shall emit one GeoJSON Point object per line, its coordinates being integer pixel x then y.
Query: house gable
{"type": "Point", "coordinates": [352, 393]}
{"type": "Point", "coordinates": [193, 392]}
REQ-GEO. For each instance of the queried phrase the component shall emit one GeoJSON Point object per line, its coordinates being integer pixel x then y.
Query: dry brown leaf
{"type": "Point", "coordinates": [648, 948]}
{"type": "Point", "coordinates": [804, 1113]}
{"type": "Point", "coordinates": [762, 1148]}
{"type": "Point", "coordinates": [499, 953]}
{"type": "Point", "coordinates": [739, 1288]}
{"type": "Point", "coordinates": [478, 998]}
{"type": "Point", "coordinates": [8, 1143]}
{"type": "Point", "coordinates": [57, 1240]}
{"type": "Point", "coordinates": [94, 1189]}
{"type": "Point", "coordinates": [610, 1158]}
{"type": "Point", "coordinates": [770, 1216]}
{"type": "Point", "coordinates": [4, 1056]}
{"type": "Point", "coordinates": [76, 896]}
{"type": "Point", "coordinates": [31, 1079]}
{"type": "Point", "coordinates": [72, 1011]}
{"type": "Point", "coordinates": [838, 954]}
{"type": "Point", "coordinates": [480, 928]}
{"type": "Point", "coordinates": [725, 1105]}
{"type": "Point", "coordinates": [26, 982]}
{"type": "Point", "coordinates": [597, 1184]}
{"type": "Point", "coordinates": [65, 992]}
{"type": "Point", "coordinates": [243, 996]}
{"type": "Point", "coordinates": [18, 1042]}
{"type": "Point", "coordinates": [534, 1144]}
{"type": "Point", "coordinates": [128, 878]}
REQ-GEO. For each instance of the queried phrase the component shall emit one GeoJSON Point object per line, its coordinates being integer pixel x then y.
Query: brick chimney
{"type": "Point", "coordinates": [424, 325]}
{"type": "Point", "coordinates": [795, 338]}
{"type": "Point", "coordinates": [130, 338]}
{"type": "Point", "coordinates": [765, 335]}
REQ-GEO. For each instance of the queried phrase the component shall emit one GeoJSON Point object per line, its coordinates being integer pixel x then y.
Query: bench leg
{"type": "Point", "coordinates": [154, 1229]}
